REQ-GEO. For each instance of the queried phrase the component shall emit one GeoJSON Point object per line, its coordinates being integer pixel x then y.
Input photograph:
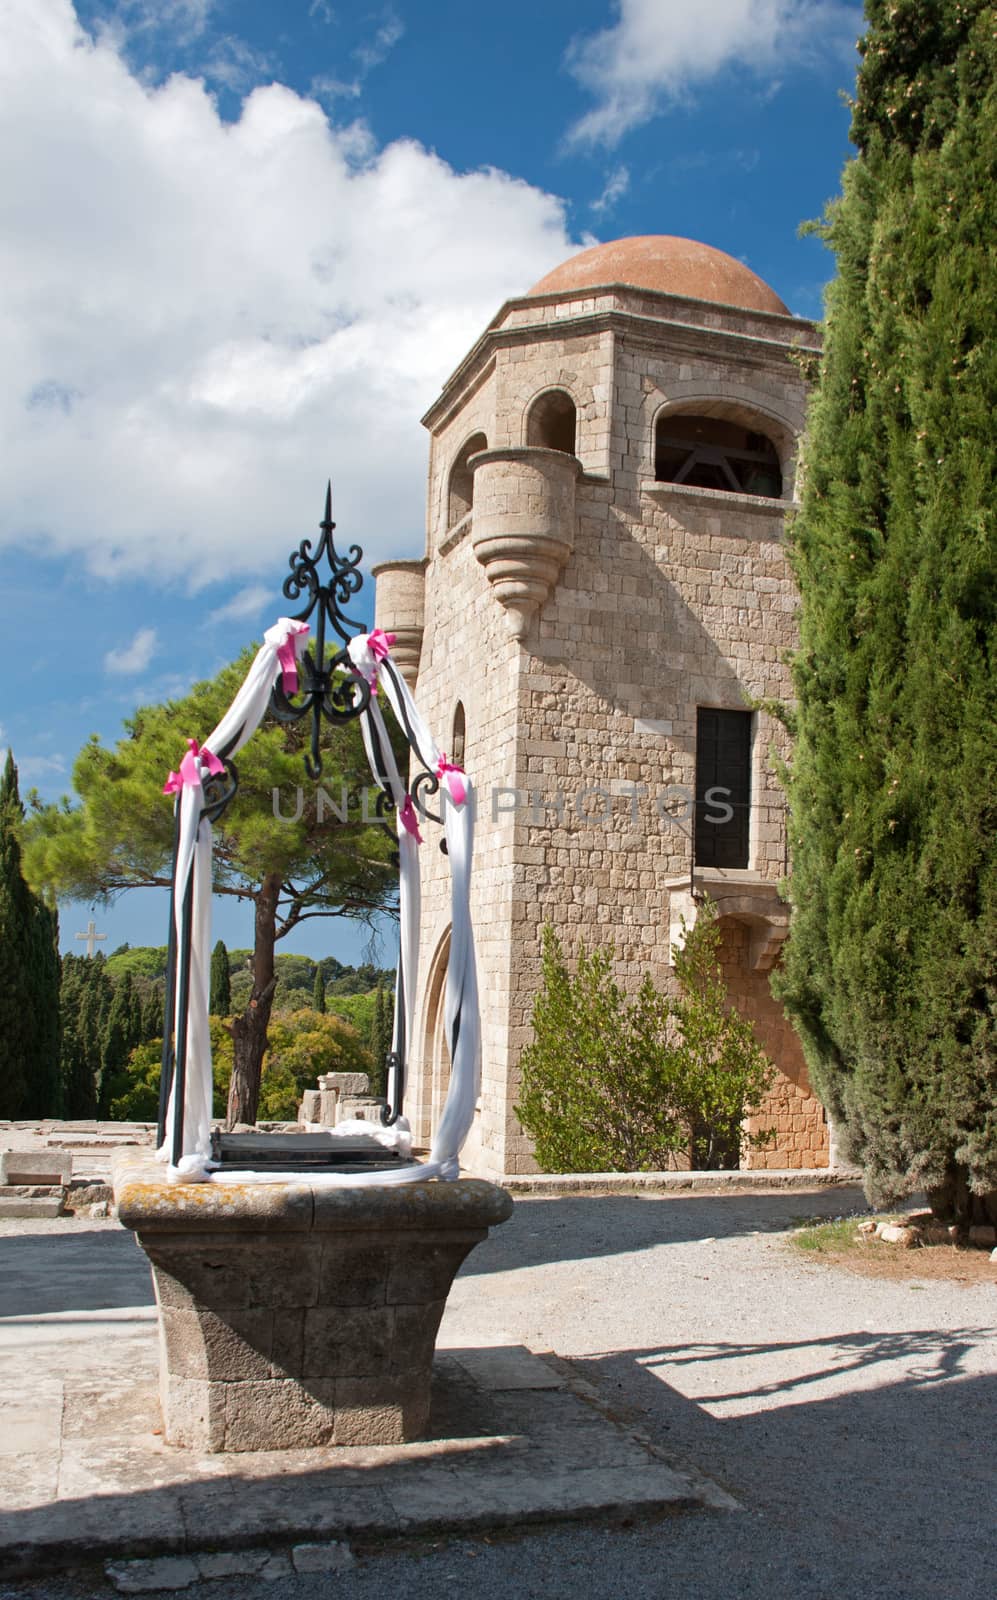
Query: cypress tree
{"type": "Point", "coordinates": [135, 1015]}
{"type": "Point", "coordinates": [118, 1041]}
{"type": "Point", "coordinates": [380, 1037]}
{"type": "Point", "coordinates": [44, 1098]}
{"type": "Point", "coordinates": [29, 976]}
{"type": "Point", "coordinates": [152, 1014]}
{"type": "Point", "coordinates": [79, 1089]}
{"type": "Point", "coordinates": [318, 992]}
{"type": "Point", "coordinates": [891, 968]}
{"type": "Point", "coordinates": [220, 1002]}
{"type": "Point", "coordinates": [96, 1004]}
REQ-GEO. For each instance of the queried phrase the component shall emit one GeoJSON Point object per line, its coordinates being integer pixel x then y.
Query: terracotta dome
{"type": "Point", "coordinates": [670, 266]}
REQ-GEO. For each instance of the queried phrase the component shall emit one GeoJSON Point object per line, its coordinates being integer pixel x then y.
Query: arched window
{"type": "Point", "coordinates": [462, 480]}
{"type": "Point", "coordinates": [458, 736]}
{"type": "Point", "coordinates": [551, 422]}
{"type": "Point", "coordinates": [716, 453]}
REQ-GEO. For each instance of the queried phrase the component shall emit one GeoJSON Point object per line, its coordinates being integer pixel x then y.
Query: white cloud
{"type": "Point", "coordinates": [188, 16]}
{"type": "Point", "coordinates": [378, 49]}
{"type": "Point", "coordinates": [33, 768]}
{"type": "Point", "coordinates": [202, 321]}
{"type": "Point", "coordinates": [329, 89]}
{"type": "Point", "coordinates": [655, 54]}
{"type": "Point", "coordinates": [246, 605]}
{"type": "Point", "coordinates": [236, 65]}
{"type": "Point", "coordinates": [135, 656]}
{"type": "Point", "coordinates": [616, 186]}
{"type": "Point", "coordinates": [183, 21]}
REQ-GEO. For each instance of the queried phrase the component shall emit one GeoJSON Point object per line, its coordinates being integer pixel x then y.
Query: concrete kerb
{"type": "Point", "coordinates": [765, 1180]}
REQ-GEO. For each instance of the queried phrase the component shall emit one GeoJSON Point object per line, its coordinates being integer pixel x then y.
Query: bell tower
{"type": "Point", "coordinates": [603, 605]}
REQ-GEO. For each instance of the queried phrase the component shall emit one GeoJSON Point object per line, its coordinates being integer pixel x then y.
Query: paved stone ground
{"type": "Point", "coordinates": [852, 1418]}
{"type": "Point", "coordinates": [84, 1470]}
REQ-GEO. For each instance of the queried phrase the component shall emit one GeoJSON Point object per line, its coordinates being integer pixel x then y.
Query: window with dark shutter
{"type": "Point", "coordinates": [723, 787]}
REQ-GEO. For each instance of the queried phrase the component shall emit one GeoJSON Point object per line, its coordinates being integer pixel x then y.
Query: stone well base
{"type": "Point", "coordinates": [293, 1315]}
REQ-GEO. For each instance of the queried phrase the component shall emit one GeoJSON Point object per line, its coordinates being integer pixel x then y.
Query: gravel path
{"type": "Point", "coordinates": [854, 1418]}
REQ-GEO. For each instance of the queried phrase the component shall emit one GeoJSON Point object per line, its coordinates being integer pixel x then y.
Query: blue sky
{"type": "Point", "coordinates": [243, 242]}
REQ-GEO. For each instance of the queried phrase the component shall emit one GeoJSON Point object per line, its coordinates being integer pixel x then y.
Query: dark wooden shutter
{"type": "Point", "coordinates": [723, 762]}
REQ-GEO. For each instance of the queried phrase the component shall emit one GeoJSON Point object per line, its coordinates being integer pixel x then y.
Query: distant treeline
{"type": "Point", "coordinates": [112, 1021]}
{"type": "Point", "coordinates": [294, 972]}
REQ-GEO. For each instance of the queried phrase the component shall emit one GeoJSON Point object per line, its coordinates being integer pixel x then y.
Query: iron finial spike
{"type": "Point", "coordinates": [328, 501]}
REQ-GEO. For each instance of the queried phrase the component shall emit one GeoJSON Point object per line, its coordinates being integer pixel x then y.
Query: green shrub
{"type": "Point", "coordinates": [613, 1083]}
{"type": "Point", "coordinates": [302, 1045]}
{"type": "Point", "coordinates": [139, 1099]}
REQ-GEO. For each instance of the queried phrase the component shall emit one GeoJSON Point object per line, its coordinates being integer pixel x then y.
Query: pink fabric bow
{"type": "Point", "coordinates": [287, 655]}
{"type": "Point", "coordinates": [455, 783]}
{"type": "Point", "coordinates": [379, 643]}
{"type": "Point", "coordinates": [409, 820]}
{"type": "Point", "coordinates": [188, 773]}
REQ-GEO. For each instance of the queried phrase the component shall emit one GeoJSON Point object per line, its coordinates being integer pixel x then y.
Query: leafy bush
{"type": "Point", "coordinates": [613, 1083]}
{"type": "Point", "coordinates": [302, 1045]}
{"type": "Point", "coordinates": [140, 1100]}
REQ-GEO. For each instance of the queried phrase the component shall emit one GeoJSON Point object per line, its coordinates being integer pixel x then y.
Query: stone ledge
{"type": "Point", "coordinates": [679, 1183]}
{"type": "Point", "coordinates": [148, 1204]}
{"type": "Point", "coordinates": [718, 498]}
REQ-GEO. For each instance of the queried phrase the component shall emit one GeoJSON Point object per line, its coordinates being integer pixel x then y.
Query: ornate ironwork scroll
{"type": "Point", "coordinates": [329, 688]}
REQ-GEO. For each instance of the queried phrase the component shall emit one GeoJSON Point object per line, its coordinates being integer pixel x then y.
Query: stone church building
{"type": "Point", "coordinates": [603, 605]}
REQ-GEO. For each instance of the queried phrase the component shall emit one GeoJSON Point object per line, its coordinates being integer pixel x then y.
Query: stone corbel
{"type": "Point", "coordinates": [523, 527]}
{"type": "Point", "coordinates": [744, 897]}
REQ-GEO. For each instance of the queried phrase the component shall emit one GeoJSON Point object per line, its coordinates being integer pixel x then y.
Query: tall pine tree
{"type": "Point", "coordinates": [29, 976]}
{"type": "Point", "coordinates": [891, 969]}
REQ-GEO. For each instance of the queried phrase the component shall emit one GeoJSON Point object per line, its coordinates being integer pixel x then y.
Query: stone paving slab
{"type": "Point", "coordinates": [514, 1438]}
{"type": "Point", "coordinates": [25, 1206]}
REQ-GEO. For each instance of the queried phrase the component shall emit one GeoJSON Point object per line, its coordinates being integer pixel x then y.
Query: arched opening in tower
{"type": "Point", "coordinates": [461, 488]}
{"type": "Point", "coordinates": [716, 453]}
{"type": "Point", "coordinates": [551, 422]}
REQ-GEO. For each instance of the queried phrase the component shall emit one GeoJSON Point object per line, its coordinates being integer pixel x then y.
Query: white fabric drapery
{"type": "Point", "coordinates": [370, 655]}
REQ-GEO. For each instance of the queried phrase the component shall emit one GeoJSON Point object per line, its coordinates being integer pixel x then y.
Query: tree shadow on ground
{"type": "Point", "coordinates": [885, 1489]}
{"type": "Point", "coordinates": [544, 1230]}
{"type": "Point", "coordinates": [94, 1270]}
{"type": "Point", "coordinates": [45, 1273]}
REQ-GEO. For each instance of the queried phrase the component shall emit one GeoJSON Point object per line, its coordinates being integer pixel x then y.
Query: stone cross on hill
{"type": "Point", "coordinates": [91, 936]}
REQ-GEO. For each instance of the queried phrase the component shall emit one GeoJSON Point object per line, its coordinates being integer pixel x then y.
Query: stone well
{"type": "Point", "coordinates": [294, 1315]}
